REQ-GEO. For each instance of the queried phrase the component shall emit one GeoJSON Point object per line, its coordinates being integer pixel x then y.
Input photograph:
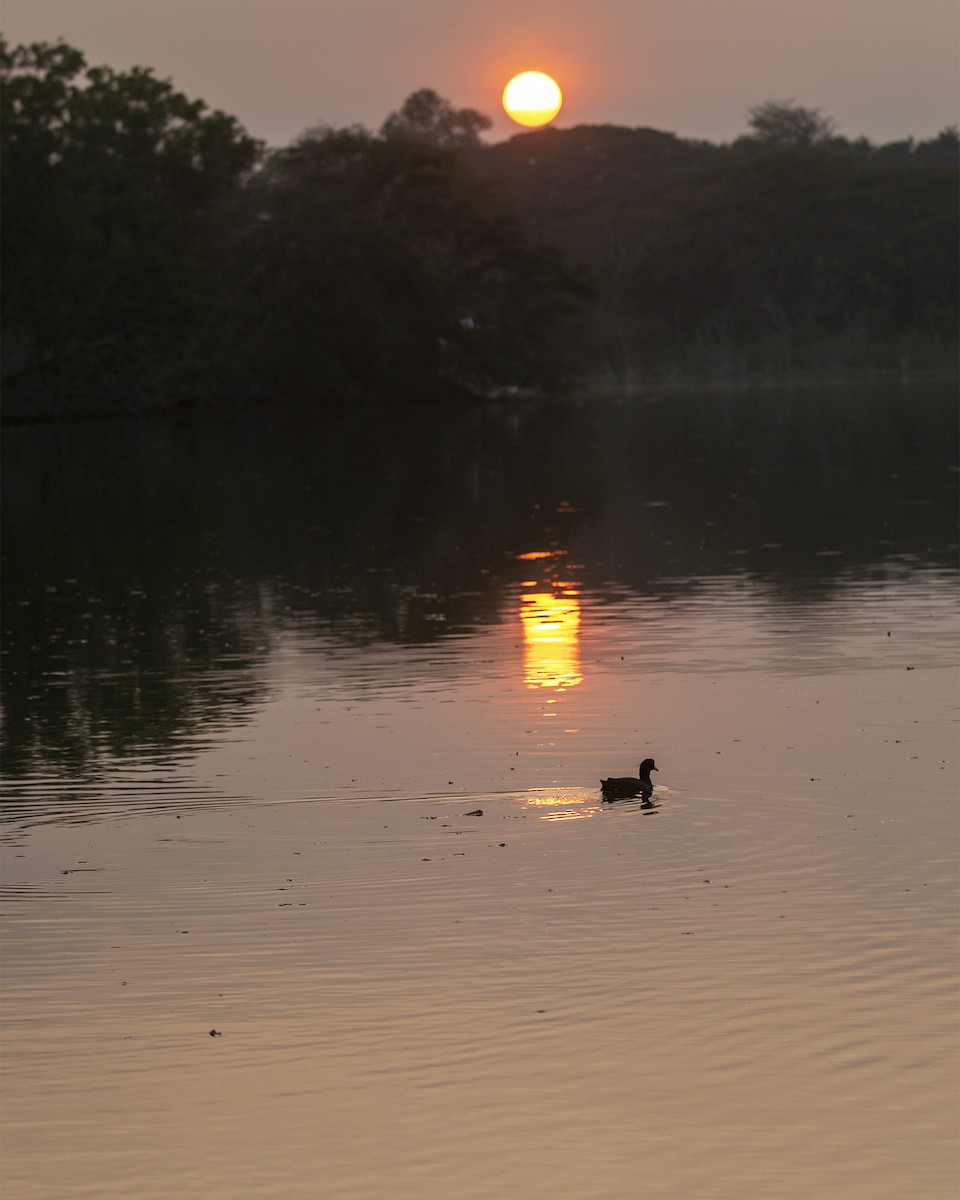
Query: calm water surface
{"type": "Point", "coordinates": [260, 676]}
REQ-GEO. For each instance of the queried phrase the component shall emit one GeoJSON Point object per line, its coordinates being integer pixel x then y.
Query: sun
{"type": "Point", "coordinates": [532, 98]}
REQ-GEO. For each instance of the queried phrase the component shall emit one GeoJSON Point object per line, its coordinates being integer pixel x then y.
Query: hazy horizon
{"type": "Point", "coordinates": [689, 67]}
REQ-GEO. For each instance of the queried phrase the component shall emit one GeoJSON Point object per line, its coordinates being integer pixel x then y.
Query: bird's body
{"type": "Point", "coordinates": [630, 785]}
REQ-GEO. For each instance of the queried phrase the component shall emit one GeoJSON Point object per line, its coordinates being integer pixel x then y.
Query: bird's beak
{"type": "Point", "coordinates": [657, 769]}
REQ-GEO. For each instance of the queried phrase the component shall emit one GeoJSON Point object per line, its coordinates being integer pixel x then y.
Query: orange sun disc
{"type": "Point", "coordinates": [532, 98]}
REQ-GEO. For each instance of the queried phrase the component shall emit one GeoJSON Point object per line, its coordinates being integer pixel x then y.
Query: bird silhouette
{"type": "Point", "coordinates": [629, 785]}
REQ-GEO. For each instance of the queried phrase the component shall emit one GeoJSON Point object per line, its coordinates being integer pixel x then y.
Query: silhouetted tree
{"type": "Point", "coordinates": [427, 117]}
{"type": "Point", "coordinates": [944, 148]}
{"type": "Point", "coordinates": [110, 186]}
{"type": "Point", "coordinates": [755, 255]}
{"type": "Point", "coordinates": [383, 266]}
{"type": "Point", "coordinates": [146, 262]}
{"type": "Point", "coordinates": [786, 123]}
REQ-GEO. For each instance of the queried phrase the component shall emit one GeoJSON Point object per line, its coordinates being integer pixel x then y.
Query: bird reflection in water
{"type": "Point", "coordinates": [646, 804]}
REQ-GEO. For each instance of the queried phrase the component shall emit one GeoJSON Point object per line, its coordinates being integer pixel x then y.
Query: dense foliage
{"type": "Point", "coordinates": [112, 187]}
{"type": "Point", "coordinates": [365, 266]}
{"type": "Point", "coordinates": [791, 249]}
{"type": "Point", "coordinates": [155, 255]}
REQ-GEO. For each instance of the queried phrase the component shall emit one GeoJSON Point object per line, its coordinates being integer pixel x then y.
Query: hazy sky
{"type": "Point", "coordinates": [884, 68]}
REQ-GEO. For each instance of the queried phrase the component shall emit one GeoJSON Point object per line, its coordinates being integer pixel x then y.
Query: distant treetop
{"type": "Point", "coordinates": [786, 123]}
{"type": "Point", "coordinates": [426, 116]}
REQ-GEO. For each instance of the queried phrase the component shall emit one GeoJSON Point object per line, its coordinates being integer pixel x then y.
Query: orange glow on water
{"type": "Point", "coordinates": [551, 640]}
{"type": "Point", "coordinates": [563, 805]}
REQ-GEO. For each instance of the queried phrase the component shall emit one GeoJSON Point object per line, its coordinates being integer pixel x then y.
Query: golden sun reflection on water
{"type": "Point", "coordinates": [551, 640]}
{"type": "Point", "coordinates": [563, 806]}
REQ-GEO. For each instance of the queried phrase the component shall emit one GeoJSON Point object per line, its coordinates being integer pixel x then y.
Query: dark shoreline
{"type": "Point", "coordinates": [581, 390]}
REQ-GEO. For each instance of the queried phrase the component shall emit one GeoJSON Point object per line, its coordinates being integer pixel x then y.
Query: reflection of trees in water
{"type": "Point", "coordinates": [149, 568]}
{"type": "Point", "coordinates": [121, 667]}
{"type": "Point", "coordinates": [798, 490]}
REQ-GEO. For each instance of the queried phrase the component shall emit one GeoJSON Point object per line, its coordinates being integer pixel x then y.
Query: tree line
{"type": "Point", "coordinates": [792, 249]}
{"type": "Point", "coordinates": [156, 255]}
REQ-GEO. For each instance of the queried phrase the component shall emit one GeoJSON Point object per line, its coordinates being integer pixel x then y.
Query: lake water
{"type": "Point", "coordinates": [259, 678]}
